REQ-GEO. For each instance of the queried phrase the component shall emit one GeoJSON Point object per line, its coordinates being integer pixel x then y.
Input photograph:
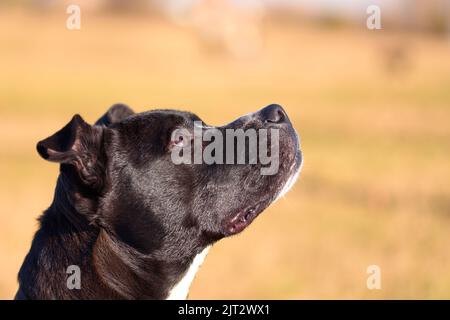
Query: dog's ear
{"type": "Point", "coordinates": [115, 113]}
{"type": "Point", "coordinates": [80, 145]}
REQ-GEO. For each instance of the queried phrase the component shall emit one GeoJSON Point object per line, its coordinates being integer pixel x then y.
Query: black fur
{"type": "Point", "coordinates": [131, 219]}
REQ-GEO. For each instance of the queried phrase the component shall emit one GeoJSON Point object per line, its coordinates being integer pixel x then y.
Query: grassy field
{"type": "Point", "coordinates": [375, 186]}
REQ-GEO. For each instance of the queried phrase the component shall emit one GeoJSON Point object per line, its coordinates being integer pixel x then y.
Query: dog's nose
{"type": "Point", "coordinates": [274, 113]}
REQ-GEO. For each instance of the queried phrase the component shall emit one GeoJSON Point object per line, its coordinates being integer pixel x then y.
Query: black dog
{"type": "Point", "coordinates": [135, 224]}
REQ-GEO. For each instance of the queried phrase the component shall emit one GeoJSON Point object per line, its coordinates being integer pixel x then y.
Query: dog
{"type": "Point", "coordinates": [134, 224]}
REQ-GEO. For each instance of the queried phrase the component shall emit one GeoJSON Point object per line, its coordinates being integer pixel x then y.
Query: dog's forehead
{"type": "Point", "coordinates": [162, 116]}
{"type": "Point", "coordinates": [149, 132]}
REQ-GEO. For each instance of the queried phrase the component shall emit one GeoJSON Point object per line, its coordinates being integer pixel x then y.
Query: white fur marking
{"type": "Point", "coordinates": [181, 289]}
{"type": "Point", "coordinates": [290, 182]}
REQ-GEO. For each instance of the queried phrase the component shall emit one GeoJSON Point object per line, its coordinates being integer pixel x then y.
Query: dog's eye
{"type": "Point", "coordinates": [179, 141]}
{"type": "Point", "coordinates": [180, 138]}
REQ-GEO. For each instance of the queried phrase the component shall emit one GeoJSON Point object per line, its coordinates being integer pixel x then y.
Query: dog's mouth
{"type": "Point", "coordinates": [243, 218]}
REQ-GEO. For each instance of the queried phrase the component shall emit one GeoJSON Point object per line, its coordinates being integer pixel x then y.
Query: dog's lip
{"type": "Point", "coordinates": [243, 218]}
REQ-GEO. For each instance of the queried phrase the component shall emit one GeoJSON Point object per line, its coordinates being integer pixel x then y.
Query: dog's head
{"type": "Point", "coordinates": [163, 181]}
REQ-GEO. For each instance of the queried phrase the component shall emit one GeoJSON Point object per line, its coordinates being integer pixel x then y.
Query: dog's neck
{"type": "Point", "coordinates": [120, 270]}
{"type": "Point", "coordinates": [142, 276]}
{"type": "Point", "coordinates": [180, 290]}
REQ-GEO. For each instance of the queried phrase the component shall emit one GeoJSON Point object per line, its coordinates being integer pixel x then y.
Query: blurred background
{"type": "Point", "coordinates": [372, 108]}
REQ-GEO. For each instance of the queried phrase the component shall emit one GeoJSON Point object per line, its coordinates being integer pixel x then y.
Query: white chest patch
{"type": "Point", "coordinates": [181, 289]}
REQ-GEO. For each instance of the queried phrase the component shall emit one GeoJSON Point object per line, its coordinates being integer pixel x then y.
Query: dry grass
{"type": "Point", "coordinates": [376, 179]}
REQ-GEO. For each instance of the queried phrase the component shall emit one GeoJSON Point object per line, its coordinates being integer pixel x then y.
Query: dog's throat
{"type": "Point", "coordinates": [180, 290]}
